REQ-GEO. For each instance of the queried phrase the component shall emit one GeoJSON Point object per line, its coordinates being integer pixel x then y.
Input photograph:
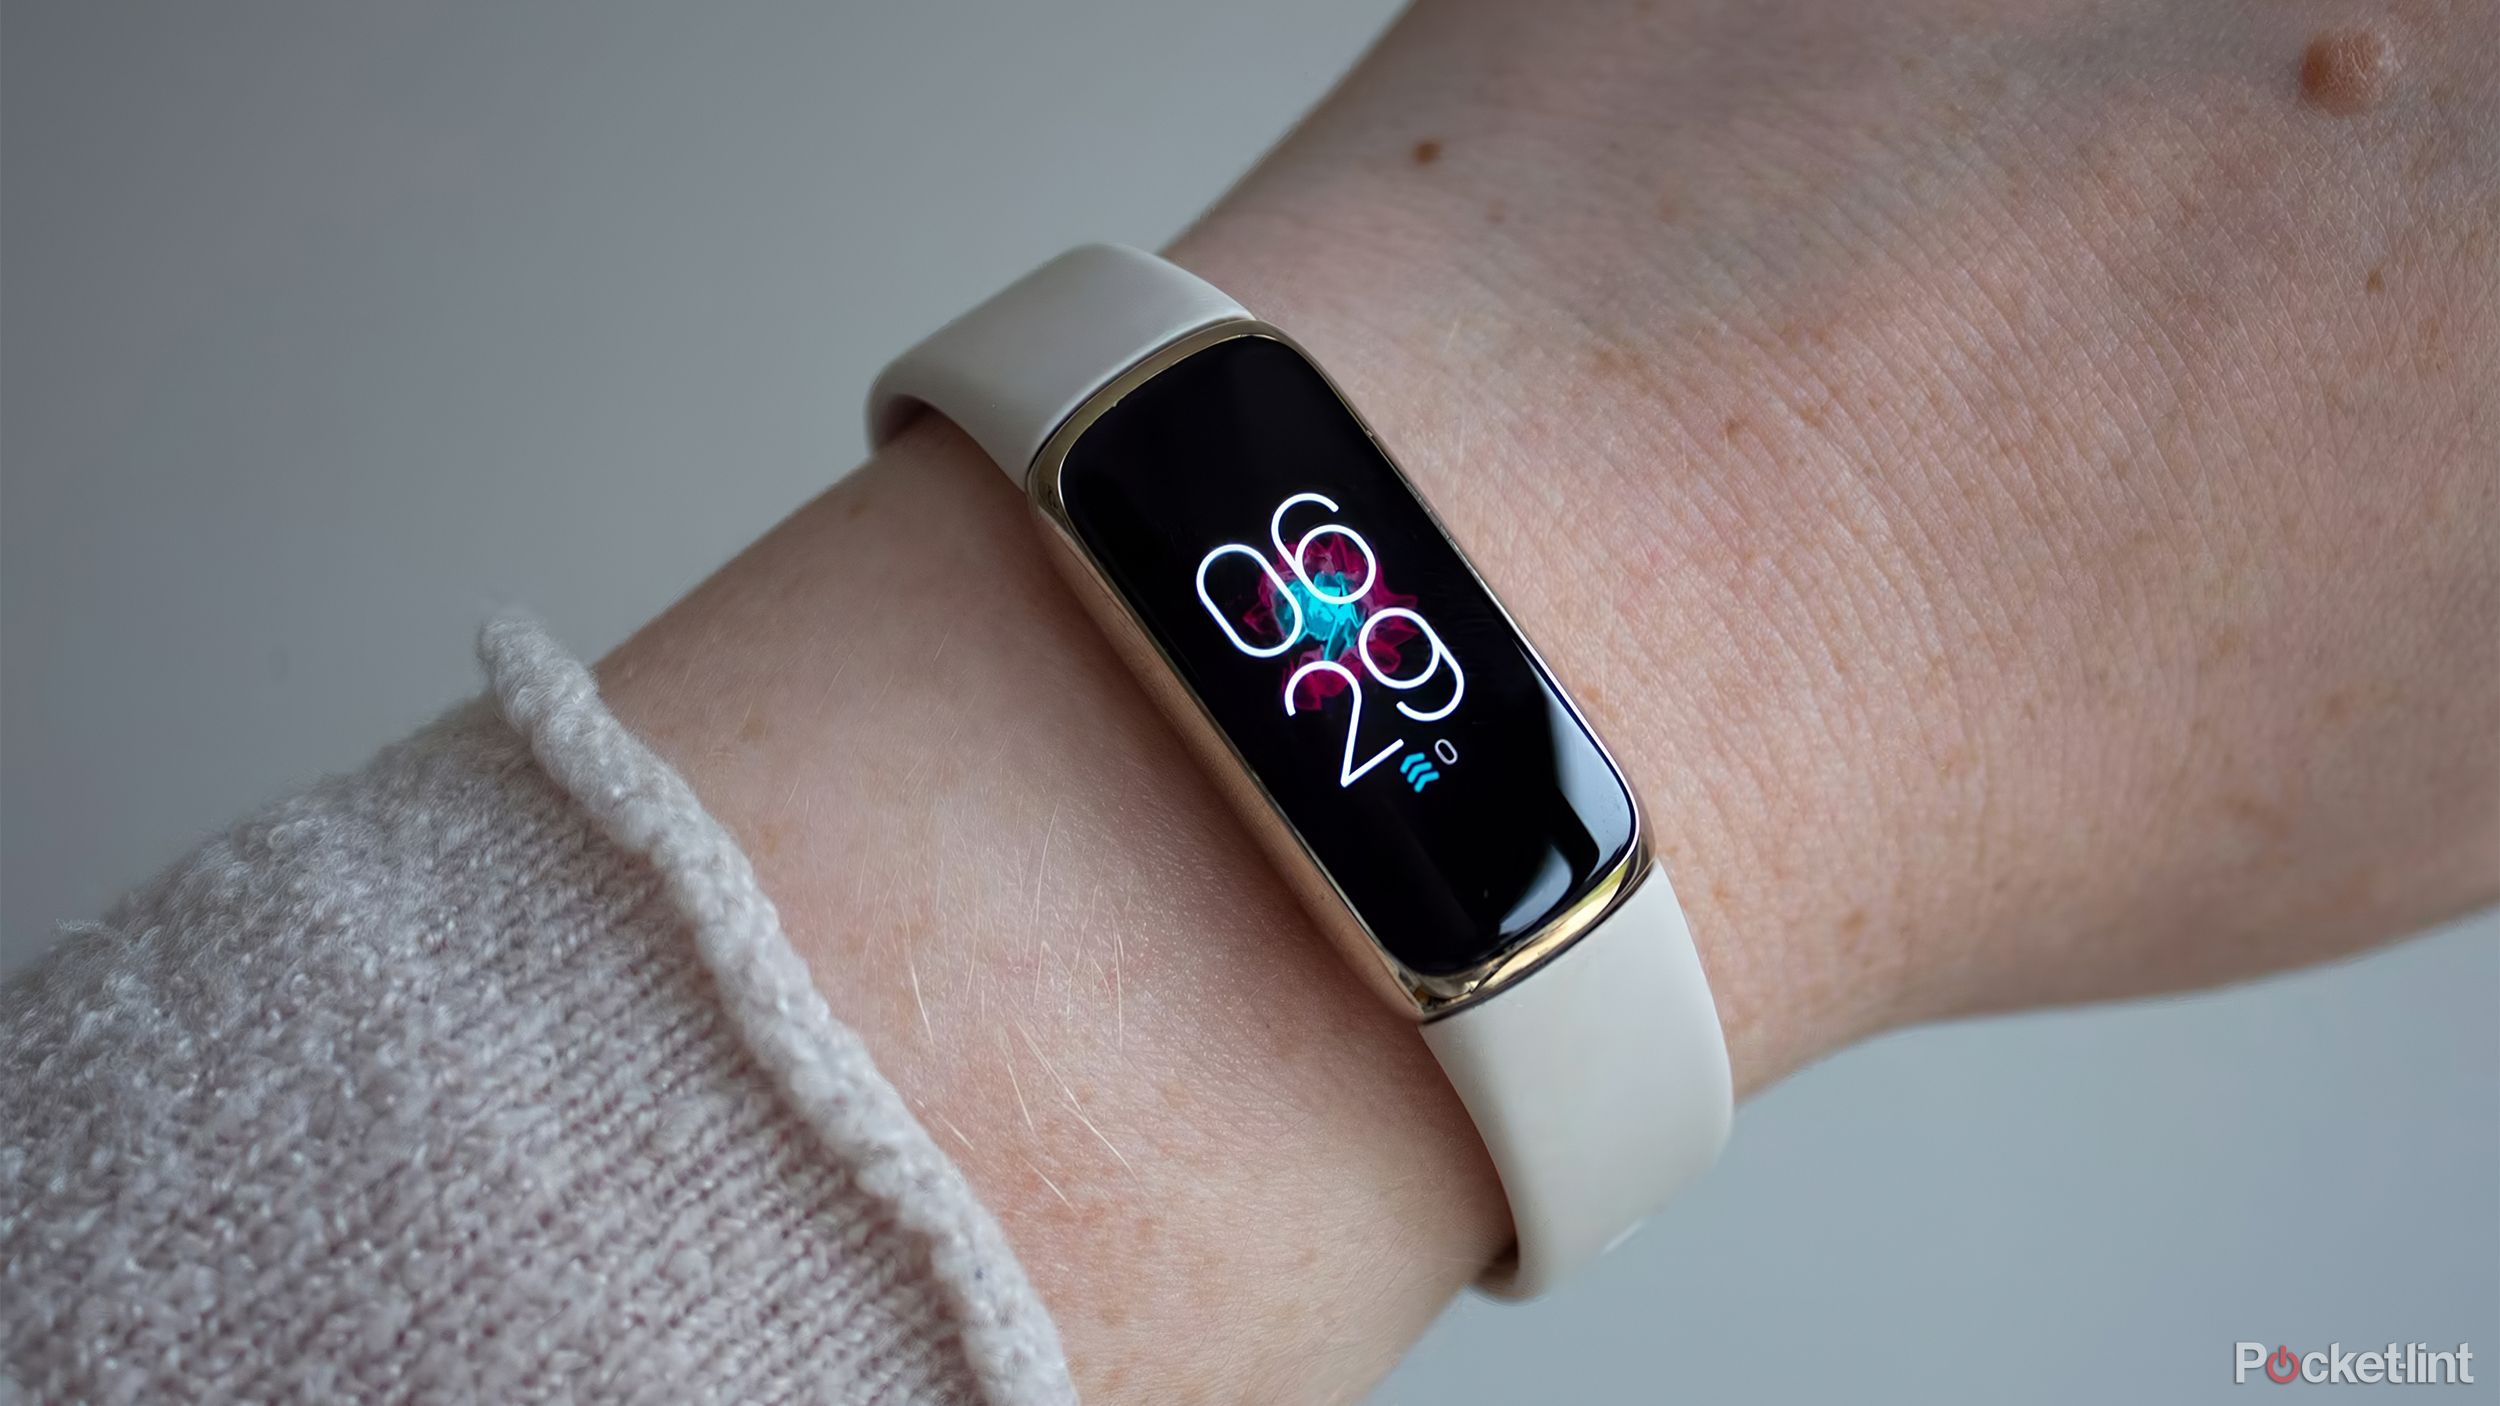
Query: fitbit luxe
{"type": "Point", "coordinates": [1399, 749]}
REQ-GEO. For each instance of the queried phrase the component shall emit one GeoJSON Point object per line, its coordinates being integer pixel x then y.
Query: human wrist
{"type": "Point", "coordinates": [1636, 597]}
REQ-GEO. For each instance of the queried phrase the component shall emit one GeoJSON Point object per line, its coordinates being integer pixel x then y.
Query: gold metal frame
{"type": "Point", "coordinates": [1421, 996]}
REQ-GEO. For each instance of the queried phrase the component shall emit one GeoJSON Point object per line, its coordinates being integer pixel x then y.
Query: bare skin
{"type": "Point", "coordinates": [2017, 486]}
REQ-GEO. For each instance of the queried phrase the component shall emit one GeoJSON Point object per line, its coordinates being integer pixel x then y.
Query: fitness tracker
{"type": "Point", "coordinates": [1404, 756]}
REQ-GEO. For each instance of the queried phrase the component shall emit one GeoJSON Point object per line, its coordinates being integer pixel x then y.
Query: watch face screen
{"type": "Point", "coordinates": [1341, 643]}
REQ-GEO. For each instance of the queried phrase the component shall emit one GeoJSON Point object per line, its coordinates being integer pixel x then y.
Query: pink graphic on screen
{"type": "Point", "coordinates": [1330, 629]}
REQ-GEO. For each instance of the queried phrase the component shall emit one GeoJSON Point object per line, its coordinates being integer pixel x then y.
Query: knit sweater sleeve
{"type": "Point", "coordinates": [485, 1073]}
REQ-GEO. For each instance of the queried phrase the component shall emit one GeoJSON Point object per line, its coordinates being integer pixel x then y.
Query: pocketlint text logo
{"type": "Point", "coordinates": [2398, 1364]}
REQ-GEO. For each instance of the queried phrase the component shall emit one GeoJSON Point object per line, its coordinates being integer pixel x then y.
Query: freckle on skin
{"type": "Point", "coordinates": [1611, 361]}
{"type": "Point", "coordinates": [2377, 282]}
{"type": "Point", "coordinates": [1427, 152]}
{"type": "Point", "coordinates": [2347, 71]}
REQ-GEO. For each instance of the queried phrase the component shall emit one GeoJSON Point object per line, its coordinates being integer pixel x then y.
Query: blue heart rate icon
{"type": "Point", "coordinates": [1418, 770]}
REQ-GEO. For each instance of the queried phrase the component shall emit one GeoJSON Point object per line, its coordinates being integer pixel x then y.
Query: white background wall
{"type": "Point", "coordinates": [325, 328]}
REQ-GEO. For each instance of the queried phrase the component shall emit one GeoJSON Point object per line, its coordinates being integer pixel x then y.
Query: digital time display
{"type": "Point", "coordinates": [1346, 650]}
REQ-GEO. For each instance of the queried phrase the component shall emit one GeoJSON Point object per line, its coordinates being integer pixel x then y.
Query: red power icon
{"type": "Point", "coordinates": [2282, 1366]}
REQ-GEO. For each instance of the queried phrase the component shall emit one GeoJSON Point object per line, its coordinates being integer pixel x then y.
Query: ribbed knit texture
{"type": "Point", "coordinates": [485, 1074]}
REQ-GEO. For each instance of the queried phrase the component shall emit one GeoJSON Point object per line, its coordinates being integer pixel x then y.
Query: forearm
{"type": "Point", "coordinates": [1788, 497]}
{"type": "Point", "coordinates": [1935, 445]}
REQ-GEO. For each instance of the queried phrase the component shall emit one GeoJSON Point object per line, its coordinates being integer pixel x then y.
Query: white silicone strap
{"type": "Point", "coordinates": [1600, 1081]}
{"type": "Point", "coordinates": [1599, 1084]}
{"type": "Point", "coordinates": [1012, 369]}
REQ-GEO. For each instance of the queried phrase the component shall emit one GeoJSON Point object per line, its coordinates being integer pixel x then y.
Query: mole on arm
{"type": "Point", "coordinates": [2347, 71]}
